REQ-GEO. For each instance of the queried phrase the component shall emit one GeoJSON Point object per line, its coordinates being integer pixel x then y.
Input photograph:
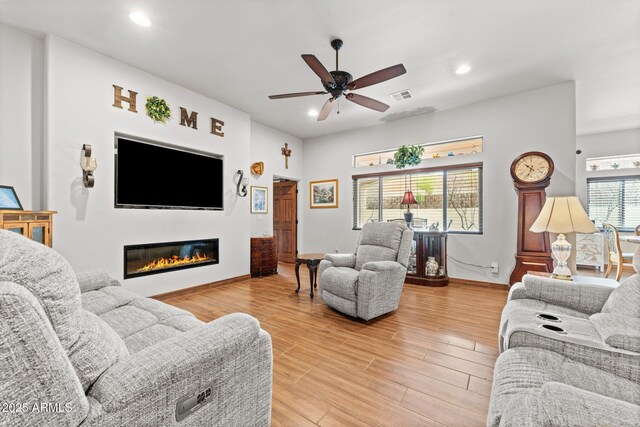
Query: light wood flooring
{"type": "Point", "coordinates": [430, 363]}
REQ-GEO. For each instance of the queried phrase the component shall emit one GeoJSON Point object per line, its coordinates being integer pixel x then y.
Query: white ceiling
{"type": "Point", "coordinates": [240, 51]}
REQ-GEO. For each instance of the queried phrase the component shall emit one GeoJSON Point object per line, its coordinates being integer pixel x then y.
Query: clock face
{"type": "Point", "coordinates": [532, 168]}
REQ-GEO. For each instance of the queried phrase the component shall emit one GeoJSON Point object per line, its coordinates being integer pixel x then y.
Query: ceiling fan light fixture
{"type": "Point", "coordinates": [313, 113]}
{"type": "Point", "coordinates": [140, 18]}
{"type": "Point", "coordinates": [463, 69]}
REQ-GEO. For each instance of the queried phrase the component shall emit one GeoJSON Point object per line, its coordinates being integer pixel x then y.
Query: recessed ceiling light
{"type": "Point", "coordinates": [312, 113]}
{"type": "Point", "coordinates": [463, 69]}
{"type": "Point", "coordinates": [140, 19]}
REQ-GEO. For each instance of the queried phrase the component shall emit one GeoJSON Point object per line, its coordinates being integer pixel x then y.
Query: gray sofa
{"type": "Point", "coordinates": [368, 283]}
{"type": "Point", "coordinates": [601, 324]}
{"type": "Point", "coordinates": [85, 351]}
{"type": "Point", "coordinates": [587, 374]}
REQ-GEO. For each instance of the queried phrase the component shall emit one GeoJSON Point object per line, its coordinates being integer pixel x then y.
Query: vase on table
{"type": "Point", "coordinates": [432, 266]}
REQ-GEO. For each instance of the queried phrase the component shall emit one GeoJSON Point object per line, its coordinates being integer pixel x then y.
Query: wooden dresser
{"type": "Point", "coordinates": [264, 256]}
{"type": "Point", "coordinates": [36, 226]}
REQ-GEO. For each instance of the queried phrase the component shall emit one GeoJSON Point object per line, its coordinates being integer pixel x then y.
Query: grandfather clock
{"type": "Point", "coordinates": [531, 173]}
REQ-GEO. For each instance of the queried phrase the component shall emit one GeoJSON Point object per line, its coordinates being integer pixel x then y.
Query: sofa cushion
{"type": "Point", "coordinates": [139, 322]}
{"type": "Point", "coordinates": [97, 348]}
{"type": "Point", "coordinates": [522, 372]}
{"type": "Point", "coordinates": [49, 277]}
{"type": "Point", "coordinates": [618, 331]}
{"type": "Point", "coordinates": [379, 242]}
{"type": "Point", "coordinates": [340, 281]}
{"type": "Point", "coordinates": [625, 299]}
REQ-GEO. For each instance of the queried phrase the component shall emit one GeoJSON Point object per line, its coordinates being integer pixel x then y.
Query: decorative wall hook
{"type": "Point", "coordinates": [88, 165]}
{"type": "Point", "coordinates": [241, 188]}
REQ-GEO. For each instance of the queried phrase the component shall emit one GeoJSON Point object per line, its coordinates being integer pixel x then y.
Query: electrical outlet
{"type": "Point", "coordinates": [494, 267]}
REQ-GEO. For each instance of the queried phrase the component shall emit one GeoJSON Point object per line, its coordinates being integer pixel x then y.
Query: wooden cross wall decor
{"type": "Point", "coordinates": [286, 152]}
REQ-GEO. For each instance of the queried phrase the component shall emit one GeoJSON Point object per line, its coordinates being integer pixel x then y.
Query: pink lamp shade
{"type": "Point", "coordinates": [408, 199]}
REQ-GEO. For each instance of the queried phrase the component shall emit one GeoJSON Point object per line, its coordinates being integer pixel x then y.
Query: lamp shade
{"type": "Point", "coordinates": [563, 215]}
{"type": "Point", "coordinates": [408, 199]}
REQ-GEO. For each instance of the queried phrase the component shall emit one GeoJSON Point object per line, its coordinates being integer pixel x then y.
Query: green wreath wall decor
{"type": "Point", "coordinates": [158, 109]}
{"type": "Point", "coordinates": [408, 155]}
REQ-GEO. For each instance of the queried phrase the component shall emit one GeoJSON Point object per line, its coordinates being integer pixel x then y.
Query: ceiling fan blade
{"type": "Point", "coordinates": [295, 94]}
{"type": "Point", "coordinates": [365, 101]}
{"type": "Point", "coordinates": [319, 69]}
{"type": "Point", "coordinates": [377, 77]}
{"type": "Point", "coordinates": [326, 109]}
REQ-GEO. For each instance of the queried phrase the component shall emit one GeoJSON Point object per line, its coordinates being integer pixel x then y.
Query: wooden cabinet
{"type": "Point", "coordinates": [264, 256]}
{"type": "Point", "coordinates": [426, 245]}
{"type": "Point", "coordinates": [36, 226]}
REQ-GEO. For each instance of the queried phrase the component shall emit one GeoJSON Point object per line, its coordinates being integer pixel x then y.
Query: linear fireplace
{"type": "Point", "coordinates": [153, 258]}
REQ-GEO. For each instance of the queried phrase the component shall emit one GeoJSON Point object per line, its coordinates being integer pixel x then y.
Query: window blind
{"type": "Point", "coordinates": [450, 197]}
{"type": "Point", "coordinates": [614, 200]}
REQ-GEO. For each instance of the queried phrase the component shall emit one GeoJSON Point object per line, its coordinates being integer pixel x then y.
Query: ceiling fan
{"type": "Point", "coordinates": [338, 82]}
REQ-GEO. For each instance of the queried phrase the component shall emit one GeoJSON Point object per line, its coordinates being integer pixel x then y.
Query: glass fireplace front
{"type": "Point", "coordinates": [152, 258]}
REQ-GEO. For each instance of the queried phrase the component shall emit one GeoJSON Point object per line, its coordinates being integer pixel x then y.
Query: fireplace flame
{"type": "Point", "coordinates": [174, 261]}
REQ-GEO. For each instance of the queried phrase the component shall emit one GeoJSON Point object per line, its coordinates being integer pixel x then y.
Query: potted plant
{"type": "Point", "coordinates": [408, 155]}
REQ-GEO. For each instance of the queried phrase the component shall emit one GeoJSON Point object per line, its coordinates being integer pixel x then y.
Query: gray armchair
{"type": "Point", "coordinates": [96, 354]}
{"type": "Point", "coordinates": [368, 284]}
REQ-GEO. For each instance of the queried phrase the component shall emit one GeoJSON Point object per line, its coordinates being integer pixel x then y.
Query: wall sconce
{"type": "Point", "coordinates": [241, 188]}
{"type": "Point", "coordinates": [88, 165]}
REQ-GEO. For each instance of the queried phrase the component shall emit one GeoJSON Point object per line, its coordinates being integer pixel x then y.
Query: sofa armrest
{"type": "Point", "coordinates": [383, 266]}
{"type": "Point", "coordinates": [94, 280]}
{"type": "Point", "coordinates": [379, 287]}
{"type": "Point", "coordinates": [34, 366]}
{"type": "Point", "coordinates": [564, 405]}
{"type": "Point", "coordinates": [583, 297]}
{"type": "Point", "coordinates": [517, 291]}
{"type": "Point", "coordinates": [618, 331]}
{"type": "Point", "coordinates": [231, 354]}
{"type": "Point", "coordinates": [341, 260]}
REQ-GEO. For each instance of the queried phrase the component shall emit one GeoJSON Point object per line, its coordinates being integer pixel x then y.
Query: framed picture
{"type": "Point", "coordinates": [9, 198]}
{"type": "Point", "coordinates": [259, 199]}
{"type": "Point", "coordinates": [323, 194]}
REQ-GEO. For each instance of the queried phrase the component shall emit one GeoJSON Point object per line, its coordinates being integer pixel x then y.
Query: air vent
{"type": "Point", "coordinates": [403, 94]}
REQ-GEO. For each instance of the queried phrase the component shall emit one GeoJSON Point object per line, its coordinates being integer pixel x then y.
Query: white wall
{"type": "Point", "coordinates": [266, 144]}
{"type": "Point", "coordinates": [542, 120]}
{"type": "Point", "coordinates": [21, 114]}
{"type": "Point", "coordinates": [88, 231]}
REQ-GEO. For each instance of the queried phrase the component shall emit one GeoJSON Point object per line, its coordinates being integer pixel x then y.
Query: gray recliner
{"type": "Point", "coordinates": [368, 283]}
{"type": "Point", "coordinates": [82, 350]}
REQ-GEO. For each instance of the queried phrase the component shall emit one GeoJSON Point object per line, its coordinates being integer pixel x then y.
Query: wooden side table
{"type": "Point", "coordinates": [312, 261]}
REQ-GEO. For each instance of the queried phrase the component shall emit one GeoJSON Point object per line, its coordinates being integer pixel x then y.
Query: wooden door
{"type": "Point", "coordinates": [285, 219]}
{"type": "Point", "coordinates": [40, 232]}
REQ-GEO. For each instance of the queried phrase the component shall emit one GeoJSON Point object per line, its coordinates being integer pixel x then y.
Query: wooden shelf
{"type": "Point", "coordinates": [36, 225]}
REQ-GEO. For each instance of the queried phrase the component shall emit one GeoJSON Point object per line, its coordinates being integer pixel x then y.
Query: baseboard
{"type": "Point", "coordinates": [478, 283]}
{"type": "Point", "coordinates": [200, 288]}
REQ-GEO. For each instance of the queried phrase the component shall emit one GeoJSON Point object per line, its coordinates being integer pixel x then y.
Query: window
{"type": "Point", "coordinates": [450, 196]}
{"type": "Point", "coordinates": [614, 200]}
{"type": "Point", "coordinates": [456, 147]}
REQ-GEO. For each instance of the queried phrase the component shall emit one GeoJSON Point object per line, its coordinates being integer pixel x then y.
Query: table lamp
{"type": "Point", "coordinates": [562, 215]}
{"type": "Point", "coordinates": [408, 200]}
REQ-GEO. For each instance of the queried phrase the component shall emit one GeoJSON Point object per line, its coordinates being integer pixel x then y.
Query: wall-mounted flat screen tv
{"type": "Point", "coordinates": [156, 176]}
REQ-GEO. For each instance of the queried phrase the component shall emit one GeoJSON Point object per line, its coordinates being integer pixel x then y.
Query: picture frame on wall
{"type": "Point", "coordinates": [323, 194]}
{"type": "Point", "coordinates": [259, 199]}
{"type": "Point", "coordinates": [9, 199]}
